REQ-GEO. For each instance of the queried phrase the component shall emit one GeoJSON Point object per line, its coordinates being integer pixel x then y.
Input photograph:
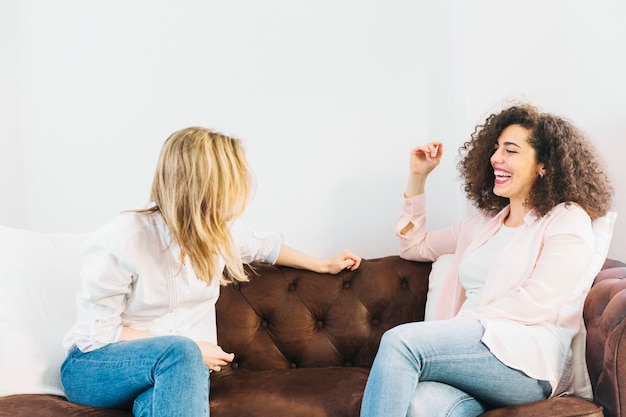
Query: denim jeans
{"type": "Point", "coordinates": [159, 376]}
{"type": "Point", "coordinates": [441, 368]}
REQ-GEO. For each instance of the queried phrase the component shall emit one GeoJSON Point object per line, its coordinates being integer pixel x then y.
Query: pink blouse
{"type": "Point", "coordinates": [531, 306]}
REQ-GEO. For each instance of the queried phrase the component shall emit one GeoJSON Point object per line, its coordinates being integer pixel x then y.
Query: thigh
{"type": "Point", "coordinates": [114, 375]}
{"type": "Point", "coordinates": [436, 399]}
{"type": "Point", "coordinates": [452, 352]}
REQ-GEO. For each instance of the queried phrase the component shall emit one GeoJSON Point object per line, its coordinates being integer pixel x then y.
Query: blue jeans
{"type": "Point", "coordinates": [442, 368]}
{"type": "Point", "coordinates": [159, 376]}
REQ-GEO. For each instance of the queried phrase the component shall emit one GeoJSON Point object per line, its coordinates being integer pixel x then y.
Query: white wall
{"type": "Point", "coordinates": [11, 176]}
{"type": "Point", "coordinates": [329, 96]}
{"type": "Point", "coordinates": [565, 56]}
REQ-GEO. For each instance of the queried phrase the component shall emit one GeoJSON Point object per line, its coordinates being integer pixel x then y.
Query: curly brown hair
{"type": "Point", "coordinates": [573, 166]}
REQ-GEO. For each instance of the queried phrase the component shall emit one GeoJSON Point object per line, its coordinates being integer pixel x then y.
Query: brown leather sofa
{"type": "Point", "coordinates": [304, 342]}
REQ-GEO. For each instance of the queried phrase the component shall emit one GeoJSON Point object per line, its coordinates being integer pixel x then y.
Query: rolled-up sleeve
{"type": "Point", "coordinates": [255, 246]}
{"type": "Point", "coordinates": [106, 284]}
{"type": "Point", "coordinates": [418, 244]}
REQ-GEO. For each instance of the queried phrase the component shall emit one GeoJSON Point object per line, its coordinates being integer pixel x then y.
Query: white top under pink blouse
{"type": "Point", "coordinates": [532, 298]}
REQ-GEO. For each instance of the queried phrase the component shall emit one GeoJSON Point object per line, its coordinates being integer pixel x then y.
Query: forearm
{"type": "Point", "coordinates": [416, 184]}
{"type": "Point", "coordinates": [293, 258]}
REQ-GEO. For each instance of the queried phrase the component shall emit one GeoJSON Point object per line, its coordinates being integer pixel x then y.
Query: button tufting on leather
{"type": "Point", "coordinates": [404, 284]}
{"type": "Point", "coordinates": [292, 366]}
{"type": "Point", "coordinates": [263, 323]}
{"type": "Point", "coordinates": [236, 285]}
{"type": "Point", "coordinates": [234, 365]}
{"type": "Point", "coordinates": [319, 324]}
{"type": "Point", "coordinates": [348, 364]}
{"type": "Point", "coordinates": [346, 285]}
{"type": "Point", "coordinates": [375, 322]}
{"type": "Point", "coordinates": [291, 287]}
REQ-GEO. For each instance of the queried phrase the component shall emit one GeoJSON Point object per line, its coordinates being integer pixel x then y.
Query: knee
{"type": "Point", "coordinates": [434, 399]}
{"type": "Point", "coordinates": [184, 348]}
{"type": "Point", "coordinates": [390, 345]}
{"type": "Point", "coordinates": [392, 338]}
{"type": "Point", "coordinates": [185, 353]}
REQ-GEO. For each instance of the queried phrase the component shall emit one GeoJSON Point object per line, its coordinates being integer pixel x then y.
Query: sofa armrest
{"type": "Point", "coordinates": [604, 313]}
{"type": "Point", "coordinates": [289, 318]}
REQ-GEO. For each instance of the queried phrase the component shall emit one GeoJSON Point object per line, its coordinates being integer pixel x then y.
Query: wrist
{"type": "Point", "coordinates": [322, 267]}
{"type": "Point", "coordinates": [415, 185]}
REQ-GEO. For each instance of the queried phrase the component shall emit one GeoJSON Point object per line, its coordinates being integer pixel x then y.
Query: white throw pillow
{"type": "Point", "coordinates": [39, 277]}
{"type": "Point", "coordinates": [603, 233]}
{"type": "Point", "coordinates": [439, 272]}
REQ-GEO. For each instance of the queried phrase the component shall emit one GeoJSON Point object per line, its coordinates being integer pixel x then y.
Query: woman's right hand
{"type": "Point", "coordinates": [423, 160]}
{"type": "Point", "coordinates": [214, 357]}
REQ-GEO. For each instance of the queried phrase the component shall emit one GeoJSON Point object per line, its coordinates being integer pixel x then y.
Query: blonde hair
{"type": "Point", "coordinates": [202, 183]}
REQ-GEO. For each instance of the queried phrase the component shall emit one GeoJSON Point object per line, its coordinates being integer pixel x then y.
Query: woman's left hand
{"type": "Point", "coordinates": [343, 260]}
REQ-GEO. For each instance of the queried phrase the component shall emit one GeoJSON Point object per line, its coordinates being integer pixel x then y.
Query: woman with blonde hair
{"type": "Point", "coordinates": [145, 335]}
{"type": "Point", "coordinates": [509, 307]}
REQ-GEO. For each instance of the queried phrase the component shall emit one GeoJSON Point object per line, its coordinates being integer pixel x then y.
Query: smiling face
{"type": "Point", "coordinates": [515, 165]}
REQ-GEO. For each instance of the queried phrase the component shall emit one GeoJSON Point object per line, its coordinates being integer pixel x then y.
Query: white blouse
{"type": "Point", "coordinates": [132, 276]}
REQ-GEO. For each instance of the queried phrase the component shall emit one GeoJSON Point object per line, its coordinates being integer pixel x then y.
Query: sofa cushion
{"type": "Point", "coordinates": [330, 391]}
{"type": "Point", "coordinates": [39, 277]}
{"type": "Point", "coordinates": [557, 406]}
{"type": "Point", "coordinates": [45, 405]}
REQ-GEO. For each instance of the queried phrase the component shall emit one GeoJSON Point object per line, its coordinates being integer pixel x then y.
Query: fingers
{"type": "Point", "coordinates": [432, 150]}
{"type": "Point", "coordinates": [350, 260]}
{"type": "Point", "coordinates": [347, 264]}
{"type": "Point", "coordinates": [214, 357]}
{"type": "Point", "coordinates": [225, 358]}
{"type": "Point", "coordinates": [339, 262]}
{"type": "Point", "coordinates": [216, 364]}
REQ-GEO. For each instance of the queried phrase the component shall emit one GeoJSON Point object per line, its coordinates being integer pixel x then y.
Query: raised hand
{"type": "Point", "coordinates": [423, 159]}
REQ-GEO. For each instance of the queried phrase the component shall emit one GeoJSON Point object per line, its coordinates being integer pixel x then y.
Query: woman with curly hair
{"type": "Point", "coordinates": [510, 305]}
{"type": "Point", "coordinates": [145, 337]}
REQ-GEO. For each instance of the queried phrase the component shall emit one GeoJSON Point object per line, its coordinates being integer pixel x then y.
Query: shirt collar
{"type": "Point", "coordinates": [529, 218]}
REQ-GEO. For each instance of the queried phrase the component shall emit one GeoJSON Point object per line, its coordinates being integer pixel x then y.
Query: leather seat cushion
{"type": "Point", "coordinates": [331, 391]}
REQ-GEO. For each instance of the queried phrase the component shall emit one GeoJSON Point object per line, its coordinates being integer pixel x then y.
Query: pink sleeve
{"type": "Point", "coordinates": [418, 244]}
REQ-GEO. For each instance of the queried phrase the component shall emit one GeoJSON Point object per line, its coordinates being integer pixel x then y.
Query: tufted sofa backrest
{"type": "Point", "coordinates": [289, 318]}
{"type": "Point", "coordinates": [604, 313]}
